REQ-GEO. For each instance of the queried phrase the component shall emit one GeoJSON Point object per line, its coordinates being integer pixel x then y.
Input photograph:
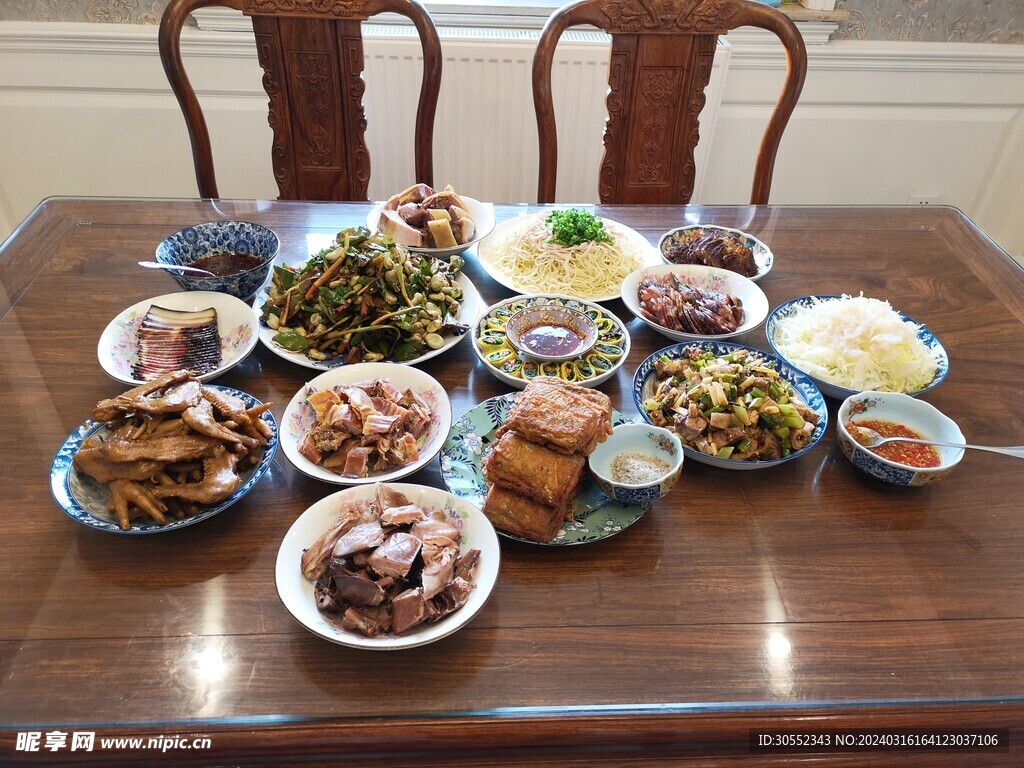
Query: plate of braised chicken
{"type": "Point", "coordinates": [164, 455]}
{"type": "Point", "coordinates": [387, 566]}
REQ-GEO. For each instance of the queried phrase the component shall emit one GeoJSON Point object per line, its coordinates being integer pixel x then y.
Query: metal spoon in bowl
{"type": "Point", "coordinates": [177, 268]}
{"type": "Point", "coordinates": [871, 439]}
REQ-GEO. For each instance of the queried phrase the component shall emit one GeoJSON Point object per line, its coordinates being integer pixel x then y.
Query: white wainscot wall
{"type": "Point", "coordinates": [85, 110]}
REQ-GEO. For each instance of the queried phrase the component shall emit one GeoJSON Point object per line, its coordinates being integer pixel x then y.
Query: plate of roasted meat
{"type": "Point", "coordinates": [164, 455]}
{"type": "Point", "coordinates": [387, 566]}
{"type": "Point", "coordinates": [720, 247]}
{"type": "Point", "coordinates": [203, 332]}
{"type": "Point", "coordinates": [521, 457]}
{"type": "Point", "coordinates": [688, 301]}
{"type": "Point", "coordinates": [366, 423]}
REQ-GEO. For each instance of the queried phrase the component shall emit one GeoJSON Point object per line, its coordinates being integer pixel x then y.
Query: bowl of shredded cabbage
{"type": "Point", "coordinates": [851, 344]}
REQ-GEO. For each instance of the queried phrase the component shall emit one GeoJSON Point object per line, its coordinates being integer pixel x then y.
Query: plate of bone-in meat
{"type": "Point", "coordinates": [164, 455]}
{"type": "Point", "coordinates": [721, 247]}
{"type": "Point", "coordinates": [387, 566]}
{"type": "Point", "coordinates": [203, 332]}
{"type": "Point", "coordinates": [688, 301]}
{"type": "Point", "coordinates": [366, 423]}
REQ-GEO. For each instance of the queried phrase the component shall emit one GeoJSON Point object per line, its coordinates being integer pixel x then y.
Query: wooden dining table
{"type": "Point", "coordinates": [802, 599]}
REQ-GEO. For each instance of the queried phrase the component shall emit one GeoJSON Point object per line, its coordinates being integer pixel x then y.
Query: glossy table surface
{"type": "Point", "coordinates": [806, 588]}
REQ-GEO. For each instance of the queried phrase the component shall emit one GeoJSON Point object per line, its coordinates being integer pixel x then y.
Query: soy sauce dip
{"type": "Point", "coordinates": [551, 340]}
{"type": "Point", "coordinates": [224, 264]}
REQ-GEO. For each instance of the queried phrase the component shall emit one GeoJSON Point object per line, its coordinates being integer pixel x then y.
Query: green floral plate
{"type": "Point", "coordinates": [596, 516]}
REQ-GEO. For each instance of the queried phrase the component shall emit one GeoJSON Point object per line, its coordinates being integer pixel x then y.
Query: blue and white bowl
{"type": "Point", "coordinates": [834, 390]}
{"type": "Point", "coordinates": [189, 245]}
{"type": "Point", "coordinates": [643, 388]}
{"type": "Point", "coordinates": [645, 440]}
{"type": "Point", "coordinates": [924, 418]}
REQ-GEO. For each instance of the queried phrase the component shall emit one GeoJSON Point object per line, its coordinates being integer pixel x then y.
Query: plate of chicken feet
{"type": "Point", "coordinates": [164, 455]}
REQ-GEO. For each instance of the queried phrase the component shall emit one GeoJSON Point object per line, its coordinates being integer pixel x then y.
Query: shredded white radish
{"type": "Point", "coordinates": [858, 343]}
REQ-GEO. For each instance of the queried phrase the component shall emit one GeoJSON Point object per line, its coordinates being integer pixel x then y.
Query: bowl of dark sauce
{"type": "Point", "coordinates": [551, 332]}
{"type": "Point", "coordinates": [239, 253]}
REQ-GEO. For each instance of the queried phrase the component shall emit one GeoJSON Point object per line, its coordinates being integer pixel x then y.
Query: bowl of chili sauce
{"type": "Point", "coordinates": [897, 415]}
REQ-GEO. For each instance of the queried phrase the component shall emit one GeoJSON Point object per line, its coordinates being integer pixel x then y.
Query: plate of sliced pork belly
{"type": "Point", "coordinates": [387, 566]}
{"type": "Point", "coordinates": [366, 423]}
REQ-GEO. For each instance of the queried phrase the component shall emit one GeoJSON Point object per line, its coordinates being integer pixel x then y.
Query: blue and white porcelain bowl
{"type": "Point", "coordinates": [834, 390]}
{"type": "Point", "coordinates": [645, 440]}
{"type": "Point", "coordinates": [924, 418]}
{"type": "Point", "coordinates": [189, 245]}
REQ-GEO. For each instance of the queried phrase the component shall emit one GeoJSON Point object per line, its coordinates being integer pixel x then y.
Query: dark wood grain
{"type": "Point", "coordinates": [805, 594]}
{"type": "Point", "coordinates": [660, 64]}
{"type": "Point", "coordinates": [312, 59]}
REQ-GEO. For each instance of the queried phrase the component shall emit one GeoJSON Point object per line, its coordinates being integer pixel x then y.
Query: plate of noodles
{"type": "Point", "coordinates": [569, 252]}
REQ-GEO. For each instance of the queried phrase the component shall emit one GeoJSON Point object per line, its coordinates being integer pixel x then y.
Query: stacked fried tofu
{"type": "Point", "coordinates": [537, 465]}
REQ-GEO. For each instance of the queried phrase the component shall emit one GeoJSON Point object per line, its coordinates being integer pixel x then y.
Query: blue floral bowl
{"type": "Point", "coordinates": [644, 440]}
{"type": "Point", "coordinates": [189, 245]}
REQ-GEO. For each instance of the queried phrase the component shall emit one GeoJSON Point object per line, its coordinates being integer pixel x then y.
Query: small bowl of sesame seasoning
{"type": "Point", "coordinates": [638, 464]}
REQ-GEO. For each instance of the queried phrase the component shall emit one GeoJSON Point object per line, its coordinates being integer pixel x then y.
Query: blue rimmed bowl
{"type": "Point", "coordinates": [834, 390]}
{"type": "Point", "coordinates": [187, 246]}
{"type": "Point", "coordinates": [644, 384]}
{"type": "Point", "coordinates": [763, 257]}
{"type": "Point", "coordinates": [644, 440]}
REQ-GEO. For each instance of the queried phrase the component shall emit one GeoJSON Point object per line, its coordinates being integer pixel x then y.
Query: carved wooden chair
{"type": "Point", "coordinates": [311, 52]}
{"type": "Point", "coordinates": [662, 52]}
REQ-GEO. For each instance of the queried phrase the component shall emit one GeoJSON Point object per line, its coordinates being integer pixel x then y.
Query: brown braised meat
{"type": "Point", "coordinates": [672, 303]}
{"type": "Point", "coordinates": [715, 249]}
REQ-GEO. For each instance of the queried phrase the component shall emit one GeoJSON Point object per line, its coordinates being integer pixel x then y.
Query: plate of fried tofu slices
{"type": "Point", "coordinates": [521, 458]}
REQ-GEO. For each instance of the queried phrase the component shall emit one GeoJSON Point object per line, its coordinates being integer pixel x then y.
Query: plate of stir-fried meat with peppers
{"type": "Point", "coordinates": [166, 454]}
{"type": "Point", "coordinates": [732, 406]}
{"type": "Point", "coordinates": [387, 566]}
{"type": "Point", "coordinates": [364, 299]}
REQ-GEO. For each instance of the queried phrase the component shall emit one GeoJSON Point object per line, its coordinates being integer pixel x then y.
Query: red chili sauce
{"type": "Point", "coordinates": [224, 264]}
{"type": "Point", "coordinates": [911, 454]}
{"type": "Point", "coordinates": [553, 340]}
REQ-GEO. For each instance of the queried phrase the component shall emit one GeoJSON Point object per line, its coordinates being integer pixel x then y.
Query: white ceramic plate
{"type": "Point", "coordinates": [591, 309]}
{"type": "Point", "coordinates": [489, 248]}
{"type": "Point", "coordinates": [299, 416]}
{"type": "Point", "coordinates": [763, 257]}
{"type": "Point", "coordinates": [481, 213]}
{"type": "Point", "coordinates": [237, 326]}
{"type": "Point", "coordinates": [472, 305]}
{"type": "Point", "coordinates": [755, 303]}
{"type": "Point", "coordinates": [297, 593]}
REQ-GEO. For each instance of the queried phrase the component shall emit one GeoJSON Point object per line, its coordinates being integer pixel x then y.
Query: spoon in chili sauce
{"type": "Point", "coordinates": [177, 268]}
{"type": "Point", "coordinates": [869, 438]}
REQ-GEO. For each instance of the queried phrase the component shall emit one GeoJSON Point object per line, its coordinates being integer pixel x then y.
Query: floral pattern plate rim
{"type": "Point", "coordinates": [299, 416]}
{"type": "Point", "coordinates": [85, 501]}
{"type": "Point", "coordinates": [472, 305]}
{"type": "Point", "coordinates": [118, 346]}
{"type": "Point", "coordinates": [296, 592]}
{"type": "Point", "coordinates": [596, 516]}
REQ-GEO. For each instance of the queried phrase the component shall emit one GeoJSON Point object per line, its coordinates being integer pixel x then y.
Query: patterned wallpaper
{"type": "Point", "coordinates": [971, 21]}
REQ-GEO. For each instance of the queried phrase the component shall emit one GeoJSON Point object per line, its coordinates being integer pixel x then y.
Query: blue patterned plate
{"type": "Point", "coordinates": [763, 257]}
{"type": "Point", "coordinates": [643, 387]}
{"type": "Point", "coordinates": [85, 501]}
{"type": "Point", "coordinates": [834, 390]}
{"type": "Point", "coordinates": [595, 515]}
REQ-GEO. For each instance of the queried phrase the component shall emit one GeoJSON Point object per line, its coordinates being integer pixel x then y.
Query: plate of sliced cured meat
{"type": "Point", "coordinates": [366, 423]}
{"type": "Point", "coordinates": [204, 332]}
{"type": "Point", "coordinates": [387, 566]}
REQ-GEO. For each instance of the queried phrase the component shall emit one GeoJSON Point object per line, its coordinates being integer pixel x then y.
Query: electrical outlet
{"type": "Point", "coordinates": [924, 199]}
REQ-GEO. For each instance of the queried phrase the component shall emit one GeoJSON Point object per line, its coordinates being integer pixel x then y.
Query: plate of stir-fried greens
{"type": "Point", "coordinates": [731, 406]}
{"type": "Point", "coordinates": [365, 299]}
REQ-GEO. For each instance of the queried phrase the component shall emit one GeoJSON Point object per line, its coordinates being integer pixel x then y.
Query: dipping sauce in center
{"type": "Point", "coordinates": [637, 468]}
{"type": "Point", "coordinates": [551, 340]}
{"type": "Point", "coordinates": [910, 454]}
{"type": "Point", "coordinates": [224, 264]}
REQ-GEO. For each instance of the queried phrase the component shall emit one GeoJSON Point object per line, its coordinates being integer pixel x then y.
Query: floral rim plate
{"type": "Point", "coordinates": [496, 315]}
{"type": "Point", "coordinates": [643, 387]}
{"type": "Point", "coordinates": [297, 593]}
{"type": "Point", "coordinates": [299, 416]}
{"type": "Point", "coordinates": [596, 516]}
{"type": "Point", "coordinates": [118, 347]}
{"type": "Point", "coordinates": [468, 314]}
{"type": "Point", "coordinates": [834, 390]}
{"type": "Point", "coordinates": [85, 501]}
{"type": "Point", "coordinates": [763, 256]}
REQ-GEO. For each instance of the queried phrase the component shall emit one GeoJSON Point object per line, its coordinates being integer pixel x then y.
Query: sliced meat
{"type": "Point", "coordinates": [315, 559]}
{"type": "Point", "coordinates": [322, 402]}
{"type": "Point", "coordinates": [355, 462]}
{"type": "Point", "coordinates": [388, 497]}
{"type": "Point", "coordinates": [452, 598]}
{"type": "Point", "coordinates": [439, 556]}
{"type": "Point", "coordinates": [357, 590]}
{"type": "Point", "coordinates": [396, 555]}
{"type": "Point", "coordinates": [408, 609]}
{"type": "Point", "coordinates": [434, 527]}
{"type": "Point", "coordinates": [370, 621]}
{"type": "Point", "coordinates": [409, 513]}
{"type": "Point", "coordinates": [359, 538]}
{"type": "Point", "coordinates": [465, 566]}
{"type": "Point", "coordinates": [170, 449]}
{"type": "Point", "coordinates": [307, 448]}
